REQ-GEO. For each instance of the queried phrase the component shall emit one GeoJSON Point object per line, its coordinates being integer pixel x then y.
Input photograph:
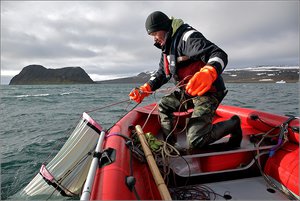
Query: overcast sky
{"type": "Point", "coordinates": [108, 38]}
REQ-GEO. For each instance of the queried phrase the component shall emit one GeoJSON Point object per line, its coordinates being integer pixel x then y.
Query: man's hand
{"type": "Point", "coordinates": [201, 82]}
{"type": "Point", "coordinates": [138, 94]}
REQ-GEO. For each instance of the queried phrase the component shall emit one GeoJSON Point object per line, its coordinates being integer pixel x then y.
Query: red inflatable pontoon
{"type": "Point", "coordinates": [266, 165]}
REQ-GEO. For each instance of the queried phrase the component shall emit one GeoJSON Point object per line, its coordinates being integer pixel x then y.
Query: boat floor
{"type": "Point", "coordinates": [238, 183]}
{"type": "Point", "coordinates": [190, 164]}
{"type": "Point", "coordinates": [254, 188]}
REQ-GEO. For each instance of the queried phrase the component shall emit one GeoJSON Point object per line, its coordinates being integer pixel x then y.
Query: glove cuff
{"type": "Point", "coordinates": [146, 88]}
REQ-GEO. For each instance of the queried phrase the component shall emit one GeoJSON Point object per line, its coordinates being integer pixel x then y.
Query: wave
{"type": "Point", "coordinates": [40, 95]}
{"type": "Point", "coordinates": [65, 93]}
{"type": "Point", "coordinates": [29, 95]}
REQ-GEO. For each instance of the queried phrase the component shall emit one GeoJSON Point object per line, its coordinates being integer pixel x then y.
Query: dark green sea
{"type": "Point", "coordinates": [36, 120]}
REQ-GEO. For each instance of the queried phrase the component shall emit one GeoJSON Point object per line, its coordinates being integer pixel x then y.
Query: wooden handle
{"type": "Point", "coordinates": [160, 183]}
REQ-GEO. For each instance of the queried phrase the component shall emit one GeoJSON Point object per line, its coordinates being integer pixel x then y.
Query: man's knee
{"type": "Point", "coordinates": [168, 103]}
{"type": "Point", "coordinates": [198, 129]}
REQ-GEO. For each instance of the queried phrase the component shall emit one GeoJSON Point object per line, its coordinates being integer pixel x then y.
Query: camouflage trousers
{"type": "Point", "coordinates": [199, 125]}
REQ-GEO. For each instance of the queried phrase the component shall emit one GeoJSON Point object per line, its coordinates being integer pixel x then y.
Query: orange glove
{"type": "Point", "coordinates": [138, 94]}
{"type": "Point", "coordinates": [201, 82]}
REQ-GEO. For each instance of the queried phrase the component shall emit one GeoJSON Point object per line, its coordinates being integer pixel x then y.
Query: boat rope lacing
{"type": "Point", "coordinates": [282, 138]}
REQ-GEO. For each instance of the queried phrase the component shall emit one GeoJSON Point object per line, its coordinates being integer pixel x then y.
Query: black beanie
{"type": "Point", "coordinates": [157, 21]}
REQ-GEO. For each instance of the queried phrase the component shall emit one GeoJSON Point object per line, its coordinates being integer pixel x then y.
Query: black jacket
{"type": "Point", "coordinates": [191, 45]}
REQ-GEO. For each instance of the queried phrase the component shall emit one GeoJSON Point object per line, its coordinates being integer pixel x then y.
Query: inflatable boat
{"type": "Point", "coordinates": [265, 167]}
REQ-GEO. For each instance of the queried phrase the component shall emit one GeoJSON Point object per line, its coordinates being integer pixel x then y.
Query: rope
{"type": "Point", "coordinates": [283, 133]}
{"type": "Point", "coordinates": [148, 117]}
{"type": "Point", "coordinates": [72, 128]}
{"type": "Point", "coordinates": [123, 116]}
{"type": "Point", "coordinates": [110, 105]}
{"type": "Point", "coordinates": [162, 152]}
{"type": "Point", "coordinates": [166, 150]}
{"type": "Point", "coordinates": [199, 192]}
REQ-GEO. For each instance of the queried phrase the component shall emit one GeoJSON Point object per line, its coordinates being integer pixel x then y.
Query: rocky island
{"type": "Point", "coordinates": [38, 74]}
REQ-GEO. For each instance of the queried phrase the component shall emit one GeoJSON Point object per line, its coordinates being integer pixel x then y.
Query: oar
{"type": "Point", "coordinates": [160, 183]}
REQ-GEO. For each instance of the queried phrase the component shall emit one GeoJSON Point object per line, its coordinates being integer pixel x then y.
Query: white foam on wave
{"type": "Point", "coordinates": [29, 95]}
{"type": "Point", "coordinates": [40, 95]}
{"type": "Point", "coordinates": [22, 96]}
{"type": "Point", "coordinates": [265, 80]}
{"type": "Point", "coordinates": [65, 93]}
{"type": "Point", "coordinates": [37, 95]}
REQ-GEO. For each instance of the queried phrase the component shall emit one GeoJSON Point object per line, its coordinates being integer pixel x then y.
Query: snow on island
{"type": "Point", "coordinates": [242, 75]}
{"type": "Point", "coordinates": [279, 74]}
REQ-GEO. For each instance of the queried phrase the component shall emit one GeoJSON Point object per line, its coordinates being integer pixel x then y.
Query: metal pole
{"type": "Point", "coordinates": [86, 192]}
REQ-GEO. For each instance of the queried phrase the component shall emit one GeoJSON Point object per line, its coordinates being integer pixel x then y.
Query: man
{"type": "Point", "coordinates": [196, 65]}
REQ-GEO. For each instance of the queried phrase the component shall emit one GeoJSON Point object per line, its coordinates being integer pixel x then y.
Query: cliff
{"type": "Point", "coordinates": [37, 74]}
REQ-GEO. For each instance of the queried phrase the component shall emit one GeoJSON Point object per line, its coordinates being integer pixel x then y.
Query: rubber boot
{"type": "Point", "coordinates": [221, 129]}
{"type": "Point", "coordinates": [236, 133]}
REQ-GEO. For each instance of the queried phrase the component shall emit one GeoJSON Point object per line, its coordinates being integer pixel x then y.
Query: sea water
{"type": "Point", "coordinates": [36, 120]}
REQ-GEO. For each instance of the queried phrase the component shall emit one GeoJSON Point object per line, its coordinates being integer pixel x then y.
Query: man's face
{"type": "Point", "coordinates": [159, 37]}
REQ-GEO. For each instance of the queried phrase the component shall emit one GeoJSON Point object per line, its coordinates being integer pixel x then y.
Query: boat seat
{"type": "Point", "coordinates": [214, 160]}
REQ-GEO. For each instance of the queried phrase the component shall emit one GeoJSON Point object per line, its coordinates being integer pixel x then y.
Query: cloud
{"type": "Point", "coordinates": [108, 37]}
